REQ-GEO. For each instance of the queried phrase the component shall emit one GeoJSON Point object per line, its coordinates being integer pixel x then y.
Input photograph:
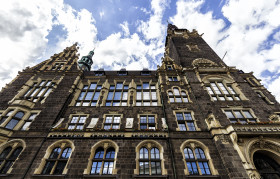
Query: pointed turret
{"type": "Point", "coordinates": [86, 61]}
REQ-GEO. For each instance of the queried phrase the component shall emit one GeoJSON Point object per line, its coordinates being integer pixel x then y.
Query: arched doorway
{"type": "Point", "coordinates": [267, 167]}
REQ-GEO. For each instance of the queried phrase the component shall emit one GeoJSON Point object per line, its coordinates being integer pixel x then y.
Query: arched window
{"type": "Point", "coordinates": [14, 120]}
{"type": "Point", "coordinates": [103, 161]}
{"type": "Point", "coordinates": [149, 161]}
{"type": "Point", "coordinates": [8, 157]}
{"type": "Point", "coordinates": [266, 166]}
{"type": "Point", "coordinates": [222, 91]}
{"type": "Point", "coordinates": [57, 161]}
{"type": "Point", "coordinates": [176, 95]}
{"type": "Point", "coordinates": [196, 164]}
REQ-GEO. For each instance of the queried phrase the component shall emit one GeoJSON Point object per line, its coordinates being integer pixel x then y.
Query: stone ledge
{"type": "Point", "coordinates": [101, 176]}
{"type": "Point", "coordinates": [203, 177]}
{"type": "Point", "coordinates": [151, 176]}
{"type": "Point", "coordinates": [48, 176]}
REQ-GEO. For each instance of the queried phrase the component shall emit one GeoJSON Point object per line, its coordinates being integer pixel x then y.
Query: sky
{"type": "Point", "coordinates": [131, 33]}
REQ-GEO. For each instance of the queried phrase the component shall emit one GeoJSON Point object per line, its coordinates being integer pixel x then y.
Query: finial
{"type": "Point", "coordinates": [86, 61]}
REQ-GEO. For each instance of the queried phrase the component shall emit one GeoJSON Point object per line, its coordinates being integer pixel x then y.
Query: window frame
{"type": "Point", "coordinates": [78, 123]}
{"type": "Point", "coordinates": [185, 121]}
{"type": "Point", "coordinates": [142, 93]}
{"type": "Point", "coordinates": [241, 110]}
{"type": "Point", "coordinates": [155, 124]}
{"type": "Point", "coordinates": [38, 92]}
{"type": "Point", "coordinates": [149, 144]}
{"type": "Point", "coordinates": [177, 96]}
{"type": "Point", "coordinates": [112, 123]}
{"type": "Point", "coordinates": [80, 99]}
{"type": "Point", "coordinates": [13, 144]}
{"type": "Point", "coordinates": [113, 89]}
{"type": "Point", "coordinates": [193, 144]}
{"type": "Point", "coordinates": [226, 92]}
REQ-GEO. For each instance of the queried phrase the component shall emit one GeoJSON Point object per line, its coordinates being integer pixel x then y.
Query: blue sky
{"type": "Point", "coordinates": [131, 33]}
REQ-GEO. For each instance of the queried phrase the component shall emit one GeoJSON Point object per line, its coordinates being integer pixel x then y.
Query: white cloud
{"type": "Point", "coordinates": [125, 28]}
{"type": "Point", "coordinates": [25, 25]}
{"type": "Point", "coordinates": [153, 28]}
{"type": "Point", "coordinates": [101, 14]}
{"type": "Point", "coordinates": [252, 22]}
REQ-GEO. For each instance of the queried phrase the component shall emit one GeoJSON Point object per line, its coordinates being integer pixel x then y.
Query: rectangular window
{"type": "Point", "coordinates": [77, 122]}
{"type": "Point", "coordinates": [38, 92]}
{"type": "Point", "coordinates": [117, 95]}
{"type": "Point", "coordinates": [240, 116]}
{"type": "Point", "coordinates": [146, 95]}
{"type": "Point", "coordinates": [147, 122]}
{"type": "Point", "coordinates": [185, 121]}
{"type": "Point", "coordinates": [172, 78]}
{"type": "Point", "coordinates": [89, 95]}
{"type": "Point", "coordinates": [112, 122]}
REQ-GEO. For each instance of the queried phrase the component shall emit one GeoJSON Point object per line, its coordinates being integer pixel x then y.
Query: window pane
{"type": "Point", "coordinates": [55, 153]}
{"type": "Point", "coordinates": [12, 123]}
{"type": "Point", "coordinates": [179, 116]}
{"type": "Point", "coordinates": [19, 114]}
{"type": "Point", "coordinates": [117, 96]}
{"type": "Point", "coordinates": [151, 119]}
{"type": "Point", "coordinates": [188, 116]}
{"type": "Point", "coordinates": [229, 114]}
{"type": "Point", "coordinates": [5, 152]}
{"type": "Point", "coordinates": [188, 153]}
{"type": "Point", "coordinates": [176, 91]}
{"type": "Point", "coordinates": [178, 100]}
{"type": "Point", "coordinates": [110, 96]}
{"type": "Point", "coordinates": [124, 96]}
{"type": "Point", "coordinates": [59, 167]}
{"type": "Point", "coordinates": [96, 95]}
{"type": "Point", "coordinates": [41, 92]}
{"type": "Point", "coordinates": [48, 167]}
{"type": "Point", "coordinates": [81, 96]}
{"type": "Point", "coordinates": [99, 153]}
{"type": "Point", "coordinates": [66, 153]}
{"type": "Point", "coordinates": [89, 96]}
{"type": "Point", "coordinates": [92, 86]}
{"type": "Point", "coordinates": [247, 114]}
{"type": "Point", "coordinates": [153, 168]}
{"type": "Point", "coordinates": [222, 87]}
{"type": "Point", "coordinates": [48, 92]}
{"type": "Point", "coordinates": [146, 86]}
{"type": "Point", "coordinates": [209, 90]}
{"type": "Point", "coordinates": [171, 100]}
{"type": "Point", "coordinates": [141, 168]}
{"type": "Point", "coordinates": [109, 119]}
{"type": "Point", "coordinates": [191, 126]}
{"type": "Point", "coordinates": [238, 114]}
{"type": "Point", "coordinates": [26, 125]}
{"type": "Point", "coordinates": [154, 95]}
{"type": "Point", "coordinates": [146, 95]}
{"type": "Point", "coordinates": [182, 127]}
{"type": "Point", "coordinates": [110, 153]}
{"type": "Point", "coordinates": [119, 85]}
{"type": "Point", "coordinates": [138, 97]}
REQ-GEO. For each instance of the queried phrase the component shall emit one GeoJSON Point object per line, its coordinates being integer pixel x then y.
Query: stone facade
{"type": "Point", "coordinates": [192, 101]}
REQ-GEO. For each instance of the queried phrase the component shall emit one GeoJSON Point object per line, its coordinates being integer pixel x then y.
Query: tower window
{"type": "Point", "coordinates": [176, 95]}
{"type": "Point", "coordinates": [240, 116]}
{"type": "Point", "coordinates": [220, 91]}
{"type": "Point", "coordinates": [57, 66]}
{"type": "Point", "coordinates": [118, 95]}
{"type": "Point", "coordinates": [169, 67]}
{"type": "Point", "coordinates": [146, 95]}
{"type": "Point", "coordinates": [39, 91]}
{"type": "Point", "coordinates": [172, 78]}
{"type": "Point", "coordinates": [89, 95]}
{"type": "Point", "coordinates": [14, 120]}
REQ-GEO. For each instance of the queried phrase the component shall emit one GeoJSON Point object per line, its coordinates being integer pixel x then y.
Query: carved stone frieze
{"type": "Point", "coordinates": [256, 128]}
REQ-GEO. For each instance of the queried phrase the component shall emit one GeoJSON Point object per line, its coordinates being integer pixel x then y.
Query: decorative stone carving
{"type": "Point", "coordinates": [203, 62]}
{"type": "Point", "coordinates": [223, 138]}
{"type": "Point", "coordinates": [164, 125]}
{"type": "Point", "coordinates": [212, 122]}
{"type": "Point", "coordinates": [193, 48]}
{"type": "Point", "coordinates": [92, 123]}
{"type": "Point", "coordinates": [274, 118]}
{"type": "Point", "coordinates": [58, 123]}
{"type": "Point", "coordinates": [256, 129]}
{"type": "Point", "coordinates": [129, 123]}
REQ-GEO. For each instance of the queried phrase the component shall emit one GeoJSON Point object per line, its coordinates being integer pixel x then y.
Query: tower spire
{"type": "Point", "coordinates": [86, 61]}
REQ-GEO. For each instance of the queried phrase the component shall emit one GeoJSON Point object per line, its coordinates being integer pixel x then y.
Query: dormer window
{"type": "Point", "coordinates": [122, 73]}
{"type": "Point", "coordinates": [99, 73]}
{"type": "Point", "coordinates": [169, 67]}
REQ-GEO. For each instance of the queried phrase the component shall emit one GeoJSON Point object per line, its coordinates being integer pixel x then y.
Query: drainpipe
{"type": "Point", "coordinates": [168, 138]}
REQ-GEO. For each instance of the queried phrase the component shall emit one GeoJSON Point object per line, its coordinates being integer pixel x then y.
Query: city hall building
{"type": "Point", "coordinates": [193, 117]}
